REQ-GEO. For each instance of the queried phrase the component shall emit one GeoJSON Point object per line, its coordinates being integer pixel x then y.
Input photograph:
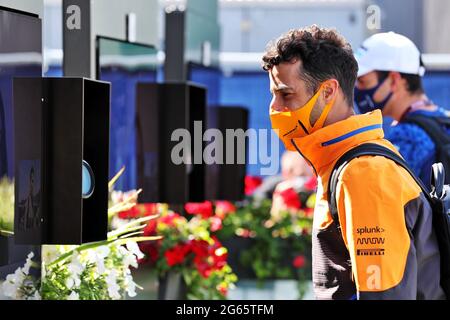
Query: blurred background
{"type": "Point", "coordinates": [237, 31]}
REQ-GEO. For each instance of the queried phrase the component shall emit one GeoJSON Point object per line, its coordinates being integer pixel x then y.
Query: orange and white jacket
{"type": "Point", "coordinates": [387, 249]}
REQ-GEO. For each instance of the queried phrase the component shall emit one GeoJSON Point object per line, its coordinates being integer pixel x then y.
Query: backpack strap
{"type": "Point", "coordinates": [368, 149]}
{"type": "Point", "coordinates": [432, 126]}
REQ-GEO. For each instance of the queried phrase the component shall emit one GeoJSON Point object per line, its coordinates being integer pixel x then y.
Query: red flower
{"type": "Point", "coordinates": [150, 229]}
{"type": "Point", "coordinates": [170, 219]}
{"type": "Point", "coordinates": [244, 233]}
{"type": "Point", "coordinates": [208, 258]}
{"type": "Point", "coordinates": [199, 247]}
{"type": "Point", "coordinates": [177, 254]}
{"type": "Point", "coordinates": [291, 198]}
{"type": "Point", "coordinates": [309, 212]}
{"type": "Point", "coordinates": [223, 208]}
{"type": "Point", "coordinates": [204, 209]}
{"type": "Point", "coordinates": [216, 224]}
{"type": "Point", "coordinates": [147, 209]}
{"type": "Point", "coordinates": [223, 290]}
{"type": "Point", "coordinates": [139, 210]}
{"type": "Point", "coordinates": [128, 214]}
{"type": "Point", "coordinates": [251, 183]}
{"type": "Point", "coordinates": [299, 262]}
{"type": "Point", "coordinates": [311, 184]}
{"type": "Point", "coordinates": [151, 252]}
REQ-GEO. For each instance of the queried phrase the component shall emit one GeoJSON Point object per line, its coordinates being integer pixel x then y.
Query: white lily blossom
{"type": "Point", "coordinates": [129, 259]}
{"type": "Point", "coordinates": [50, 254]}
{"type": "Point", "coordinates": [73, 296]}
{"type": "Point", "coordinates": [28, 263]}
{"type": "Point", "coordinates": [13, 283]}
{"type": "Point", "coordinates": [134, 248]}
{"type": "Point", "coordinates": [113, 287]}
{"type": "Point", "coordinates": [130, 286]}
{"type": "Point", "coordinates": [36, 296]}
{"type": "Point", "coordinates": [75, 266]}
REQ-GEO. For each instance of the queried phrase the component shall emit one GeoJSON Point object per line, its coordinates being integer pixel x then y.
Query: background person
{"type": "Point", "coordinates": [390, 79]}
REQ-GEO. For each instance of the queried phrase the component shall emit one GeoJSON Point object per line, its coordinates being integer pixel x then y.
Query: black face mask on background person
{"type": "Point", "coordinates": [365, 101]}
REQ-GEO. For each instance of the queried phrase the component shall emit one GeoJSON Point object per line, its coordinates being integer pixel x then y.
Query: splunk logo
{"type": "Point", "coordinates": [366, 230]}
{"type": "Point", "coordinates": [227, 147]}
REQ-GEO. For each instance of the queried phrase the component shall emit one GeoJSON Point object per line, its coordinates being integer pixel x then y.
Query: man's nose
{"type": "Point", "coordinates": [276, 106]}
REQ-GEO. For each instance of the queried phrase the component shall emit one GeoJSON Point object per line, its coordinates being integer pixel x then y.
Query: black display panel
{"type": "Point", "coordinates": [162, 110]}
{"type": "Point", "coordinates": [20, 55]}
{"type": "Point", "coordinates": [226, 181]}
{"type": "Point", "coordinates": [59, 122]}
{"type": "Point", "coordinates": [124, 64]}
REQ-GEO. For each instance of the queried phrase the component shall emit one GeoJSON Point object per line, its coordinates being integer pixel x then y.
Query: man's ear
{"type": "Point", "coordinates": [396, 80]}
{"type": "Point", "coordinates": [330, 90]}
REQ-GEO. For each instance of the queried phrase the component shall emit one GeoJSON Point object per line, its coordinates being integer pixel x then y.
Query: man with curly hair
{"type": "Point", "coordinates": [383, 246]}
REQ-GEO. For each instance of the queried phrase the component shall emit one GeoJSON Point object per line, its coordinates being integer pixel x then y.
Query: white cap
{"type": "Point", "coordinates": [389, 51]}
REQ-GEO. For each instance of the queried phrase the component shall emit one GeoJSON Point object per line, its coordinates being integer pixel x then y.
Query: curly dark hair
{"type": "Point", "coordinates": [324, 54]}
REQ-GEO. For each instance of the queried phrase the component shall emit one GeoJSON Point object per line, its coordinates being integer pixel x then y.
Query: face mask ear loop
{"type": "Point", "coordinates": [311, 105]}
{"type": "Point", "coordinates": [323, 117]}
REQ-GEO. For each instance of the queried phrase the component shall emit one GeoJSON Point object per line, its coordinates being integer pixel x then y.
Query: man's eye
{"type": "Point", "coordinates": [286, 95]}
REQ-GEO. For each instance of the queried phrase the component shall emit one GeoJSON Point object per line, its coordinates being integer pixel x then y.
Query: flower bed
{"type": "Point", "coordinates": [195, 254]}
{"type": "Point", "coordinates": [271, 240]}
{"type": "Point", "coordinates": [94, 271]}
{"type": "Point", "coordinates": [187, 248]}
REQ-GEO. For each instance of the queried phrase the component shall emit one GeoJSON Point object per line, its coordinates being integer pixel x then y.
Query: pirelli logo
{"type": "Point", "coordinates": [370, 252]}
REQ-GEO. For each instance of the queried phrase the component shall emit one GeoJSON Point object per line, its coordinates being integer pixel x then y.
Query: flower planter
{"type": "Point", "coordinates": [4, 250]}
{"type": "Point", "coordinates": [172, 287]}
{"type": "Point", "coordinates": [272, 290]}
{"type": "Point", "coordinates": [235, 246]}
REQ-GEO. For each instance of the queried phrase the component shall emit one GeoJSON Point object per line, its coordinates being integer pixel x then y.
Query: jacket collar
{"type": "Point", "coordinates": [325, 146]}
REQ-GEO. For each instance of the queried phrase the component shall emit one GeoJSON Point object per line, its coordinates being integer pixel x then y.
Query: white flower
{"type": "Point", "coordinates": [130, 286]}
{"type": "Point", "coordinates": [17, 277]}
{"type": "Point", "coordinates": [28, 263]}
{"type": "Point", "coordinates": [102, 251]}
{"type": "Point", "coordinates": [70, 282]}
{"type": "Point", "coordinates": [134, 248]}
{"type": "Point", "coordinates": [98, 256]}
{"type": "Point", "coordinates": [129, 259]}
{"type": "Point", "coordinates": [116, 197]}
{"type": "Point", "coordinates": [36, 296]}
{"type": "Point", "coordinates": [10, 289]}
{"type": "Point", "coordinates": [101, 269]}
{"type": "Point", "coordinates": [13, 283]}
{"type": "Point", "coordinates": [101, 254]}
{"type": "Point", "coordinates": [117, 223]}
{"type": "Point", "coordinates": [75, 267]}
{"type": "Point", "coordinates": [73, 296]}
{"type": "Point", "coordinates": [50, 254]}
{"type": "Point", "coordinates": [113, 287]}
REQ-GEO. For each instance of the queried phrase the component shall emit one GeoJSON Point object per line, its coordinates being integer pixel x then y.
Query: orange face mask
{"type": "Point", "coordinates": [295, 124]}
